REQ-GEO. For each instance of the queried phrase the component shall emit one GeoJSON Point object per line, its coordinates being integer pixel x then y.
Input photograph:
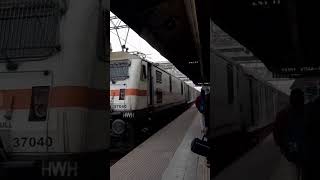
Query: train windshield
{"type": "Point", "coordinates": [119, 70]}
{"type": "Point", "coordinates": [29, 29]}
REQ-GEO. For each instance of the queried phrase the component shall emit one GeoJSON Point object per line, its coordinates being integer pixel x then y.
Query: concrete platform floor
{"type": "Point", "coordinates": [166, 155]}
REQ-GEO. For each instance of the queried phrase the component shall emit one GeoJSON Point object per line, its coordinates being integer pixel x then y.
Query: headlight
{"type": "Point", "coordinates": [118, 126]}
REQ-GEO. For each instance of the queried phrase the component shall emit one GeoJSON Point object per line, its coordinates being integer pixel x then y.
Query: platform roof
{"type": "Point", "coordinates": [170, 26]}
{"type": "Point", "coordinates": [277, 32]}
{"type": "Point", "coordinates": [273, 31]}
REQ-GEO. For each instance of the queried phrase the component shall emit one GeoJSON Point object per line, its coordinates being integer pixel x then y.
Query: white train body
{"type": "Point", "coordinates": [240, 102]}
{"type": "Point", "coordinates": [52, 103]}
{"type": "Point", "coordinates": [140, 88]}
{"type": "Point", "coordinates": [134, 89]}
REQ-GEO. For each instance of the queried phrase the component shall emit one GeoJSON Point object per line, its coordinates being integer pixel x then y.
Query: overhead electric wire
{"type": "Point", "coordinates": [127, 42]}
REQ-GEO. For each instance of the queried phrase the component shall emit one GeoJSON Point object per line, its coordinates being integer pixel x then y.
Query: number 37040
{"type": "Point", "coordinates": [32, 141]}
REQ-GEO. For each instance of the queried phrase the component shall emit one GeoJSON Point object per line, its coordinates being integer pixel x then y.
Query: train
{"type": "Point", "coordinates": [139, 90]}
{"type": "Point", "coordinates": [53, 91]}
{"type": "Point", "coordinates": [241, 101]}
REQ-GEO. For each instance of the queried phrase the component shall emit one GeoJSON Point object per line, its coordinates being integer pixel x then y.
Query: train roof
{"type": "Point", "coordinates": [114, 56]}
{"type": "Point", "coordinates": [246, 71]}
{"type": "Point", "coordinates": [120, 55]}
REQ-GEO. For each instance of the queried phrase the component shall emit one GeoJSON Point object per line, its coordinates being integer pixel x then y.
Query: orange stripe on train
{"type": "Point", "coordinates": [129, 92]}
{"type": "Point", "coordinates": [63, 96]}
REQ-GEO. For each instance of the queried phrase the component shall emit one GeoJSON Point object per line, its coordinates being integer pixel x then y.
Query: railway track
{"type": "Point", "coordinates": [166, 118]}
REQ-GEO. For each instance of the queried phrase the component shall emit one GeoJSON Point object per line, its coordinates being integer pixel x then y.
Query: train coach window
{"type": "Point", "coordinates": [143, 75]}
{"type": "Point", "coordinates": [181, 88]}
{"type": "Point", "coordinates": [122, 94]}
{"type": "Point", "coordinates": [238, 78]}
{"type": "Point", "coordinates": [30, 28]}
{"type": "Point", "coordinates": [158, 77]}
{"type": "Point", "coordinates": [170, 83]}
{"type": "Point", "coordinates": [39, 103]}
{"type": "Point", "coordinates": [1, 99]}
{"type": "Point", "coordinates": [230, 84]}
{"type": "Point", "coordinates": [159, 96]}
{"type": "Point", "coordinates": [119, 70]}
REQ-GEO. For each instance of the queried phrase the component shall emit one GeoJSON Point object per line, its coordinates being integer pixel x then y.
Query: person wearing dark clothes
{"type": "Point", "coordinates": [290, 131]}
{"type": "Point", "coordinates": [207, 113]}
{"type": "Point", "coordinates": [203, 105]}
{"type": "Point", "coordinates": [312, 140]}
{"type": "Point", "coordinates": [207, 121]}
{"type": "Point", "coordinates": [282, 119]}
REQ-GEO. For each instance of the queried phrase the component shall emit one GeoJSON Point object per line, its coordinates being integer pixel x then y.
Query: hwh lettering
{"type": "Point", "coordinates": [65, 168]}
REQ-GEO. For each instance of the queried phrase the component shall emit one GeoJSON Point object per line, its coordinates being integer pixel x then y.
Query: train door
{"type": "Point", "coordinates": [24, 111]}
{"type": "Point", "coordinates": [251, 101]}
{"type": "Point", "coordinates": [185, 93]}
{"type": "Point", "coordinates": [189, 98]}
{"type": "Point", "coordinates": [143, 86]}
{"type": "Point", "coordinates": [150, 85]}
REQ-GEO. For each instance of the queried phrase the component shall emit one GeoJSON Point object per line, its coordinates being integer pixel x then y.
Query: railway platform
{"type": "Point", "coordinates": [166, 155]}
{"type": "Point", "coordinates": [264, 162]}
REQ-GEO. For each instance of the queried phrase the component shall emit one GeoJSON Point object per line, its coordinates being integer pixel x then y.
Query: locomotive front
{"type": "Point", "coordinates": [126, 95]}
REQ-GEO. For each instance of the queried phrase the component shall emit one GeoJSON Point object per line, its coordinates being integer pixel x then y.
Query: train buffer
{"type": "Point", "coordinates": [166, 154]}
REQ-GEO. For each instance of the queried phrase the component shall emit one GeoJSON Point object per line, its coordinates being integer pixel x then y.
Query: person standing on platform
{"type": "Point", "coordinates": [207, 121]}
{"type": "Point", "coordinates": [311, 170]}
{"type": "Point", "coordinates": [203, 105]}
{"type": "Point", "coordinates": [290, 130]}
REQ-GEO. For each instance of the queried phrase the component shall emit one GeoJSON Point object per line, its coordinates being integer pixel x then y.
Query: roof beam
{"type": "Point", "coordinates": [231, 49]}
{"type": "Point", "coordinates": [194, 26]}
{"type": "Point", "coordinates": [246, 58]}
